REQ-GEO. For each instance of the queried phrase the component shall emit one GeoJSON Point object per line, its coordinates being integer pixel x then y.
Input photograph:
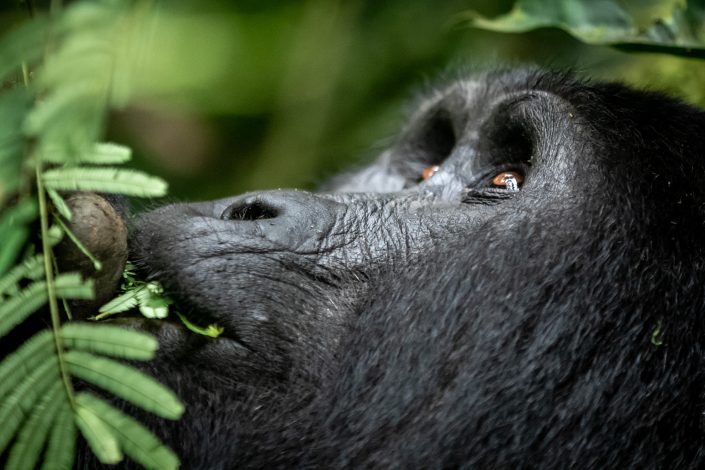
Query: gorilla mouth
{"type": "Point", "coordinates": [154, 308]}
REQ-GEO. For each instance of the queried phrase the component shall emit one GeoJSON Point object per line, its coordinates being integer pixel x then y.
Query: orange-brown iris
{"type": "Point", "coordinates": [428, 172]}
{"type": "Point", "coordinates": [502, 179]}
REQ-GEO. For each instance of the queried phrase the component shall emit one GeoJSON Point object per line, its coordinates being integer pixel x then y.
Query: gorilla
{"type": "Point", "coordinates": [518, 282]}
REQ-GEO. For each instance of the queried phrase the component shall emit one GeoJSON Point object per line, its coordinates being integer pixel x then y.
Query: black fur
{"type": "Point", "coordinates": [388, 323]}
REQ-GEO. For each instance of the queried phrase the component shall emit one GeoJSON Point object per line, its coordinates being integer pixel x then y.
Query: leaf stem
{"type": "Point", "coordinates": [49, 275]}
{"type": "Point", "coordinates": [25, 74]}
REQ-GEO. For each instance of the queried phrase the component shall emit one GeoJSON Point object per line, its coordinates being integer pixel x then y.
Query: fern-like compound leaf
{"type": "Point", "coordinates": [111, 340]}
{"type": "Point", "coordinates": [60, 204]}
{"type": "Point", "coordinates": [97, 434]}
{"type": "Point", "coordinates": [107, 180]}
{"type": "Point", "coordinates": [135, 440]}
{"type": "Point", "coordinates": [31, 268]}
{"type": "Point", "coordinates": [16, 366]}
{"type": "Point", "coordinates": [15, 310]}
{"type": "Point", "coordinates": [27, 449]}
{"type": "Point", "coordinates": [15, 408]}
{"type": "Point", "coordinates": [121, 303]}
{"type": "Point", "coordinates": [126, 382]}
{"type": "Point", "coordinates": [62, 440]}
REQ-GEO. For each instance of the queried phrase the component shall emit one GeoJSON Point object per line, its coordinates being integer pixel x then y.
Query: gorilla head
{"type": "Point", "coordinates": [536, 300]}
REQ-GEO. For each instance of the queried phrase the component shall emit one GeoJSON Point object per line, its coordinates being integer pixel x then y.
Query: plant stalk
{"type": "Point", "coordinates": [51, 291]}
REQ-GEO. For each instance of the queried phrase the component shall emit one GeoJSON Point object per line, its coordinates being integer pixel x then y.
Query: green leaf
{"type": "Point", "coordinates": [211, 330]}
{"type": "Point", "coordinates": [13, 231]}
{"type": "Point", "coordinates": [24, 44]}
{"type": "Point", "coordinates": [59, 204]}
{"type": "Point", "coordinates": [111, 340]}
{"type": "Point", "coordinates": [48, 115]}
{"type": "Point", "coordinates": [107, 180]}
{"type": "Point", "coordinates": [97, 434]}
{"type": "Point", "coordinates": [21, 214]}
{"type": "Point", "coordinates": [17, 308]}
{"type": "Point", "coordinates": [107, 154]}
{"type": "Point", "coordinates": [55, 235]}
{"type": "Point", "coordinates": [62, 440]}
{"type": "Point", "coordinates": [32, 268]}
{"type": "Point", "coordinates": [121, 303]}
{"type": "Point", "coordinates": [33, 435]}
{"type": "Point", "coordinates": [99, 154]}
{"type": "Point", "coordinates": [13, 106]}
{"type": "Point", "coordinates": [600, 21]}
{"type": "Point", "coordinates": [81, 247]}
{"type": "Point", "coordinates": [136, 441]}
{"type": "Point", "coordinates": [125, 382]}
{"type": "Point", "coordinates": [152, 302]}
{"type": "Point", "coordinates": [16, 407]}
{"type": "Point", "coordinates": [12, 244]}
{"type": "Point", "coordinates": [605, 22]}
{"type": "Point", "coordinates": [17, 365]}
{"type": "Point", "coordinates": [71, 286]}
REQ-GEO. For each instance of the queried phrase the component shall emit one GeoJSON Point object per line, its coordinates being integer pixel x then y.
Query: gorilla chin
{"type": "Point", "coordinates": [518, 282]}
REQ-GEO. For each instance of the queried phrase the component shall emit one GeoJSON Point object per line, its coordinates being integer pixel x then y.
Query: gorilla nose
{"type": "Point", "coordinates": [253, 208]}
{"type": "Point", "coordinates": [290, 219]}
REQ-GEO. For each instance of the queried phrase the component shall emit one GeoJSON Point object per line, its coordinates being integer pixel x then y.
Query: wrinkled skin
{"type": "Point", "coordinates": [387, 322]}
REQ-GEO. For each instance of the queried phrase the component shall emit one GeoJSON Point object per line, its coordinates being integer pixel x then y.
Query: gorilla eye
{"type": "Point", "coordinates": [429, 171]}
{"type": "Point", "coordinates": [510, 180]}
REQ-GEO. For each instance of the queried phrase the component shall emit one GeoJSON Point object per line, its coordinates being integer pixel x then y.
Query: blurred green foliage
{"type": "Point", "coordinates": [242, 95]}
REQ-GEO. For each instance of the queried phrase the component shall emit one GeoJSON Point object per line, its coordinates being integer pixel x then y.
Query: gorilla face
{"type": "Point", "coordinates": [536, 300]}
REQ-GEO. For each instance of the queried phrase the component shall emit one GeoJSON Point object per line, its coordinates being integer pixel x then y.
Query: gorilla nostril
{"type": "Point", "coordinates": [250, 210]}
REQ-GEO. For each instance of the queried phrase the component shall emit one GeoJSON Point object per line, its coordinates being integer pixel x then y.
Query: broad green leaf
{"type": "Point", "coordinates": [27, 449]}
{"type": "Point", "coordinates": [62, 440]}
{"type": "Point", "coordinates": [17, 365]}
{"type": "Point", "coordinates": [111, 340]}
{"type": "Point", "coordinates": [600, 21]}
{"type": "Point", "coordinates": [97, 434]}
{"type": "Point", "coordinates": [605, 22]}
{"type": "Point", "coordinates": [59, 204]}
{"type": "Point", "coordinates": [135, 440]}
{"type": "Point", "coordinates": [107, 180]}
{"type": "Point", "coordinates": [125, 382]}
{"type": "Point", "coordinates": [32, 268]}
{"type": "Point", "coordinates": [15, 407]}
{"type": "Point", "coordinates": [14, 310]}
